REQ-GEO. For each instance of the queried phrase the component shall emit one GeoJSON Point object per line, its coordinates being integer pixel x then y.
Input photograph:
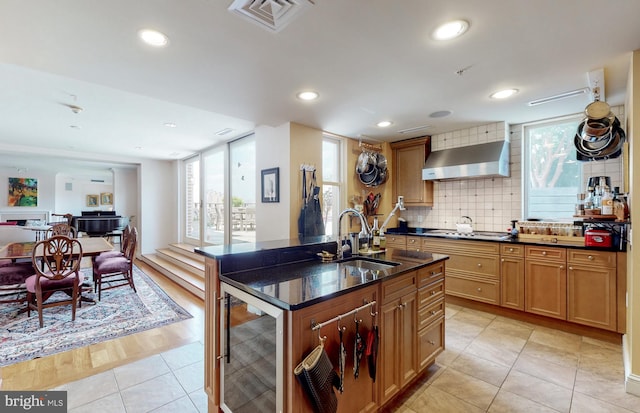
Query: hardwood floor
{"type": "Point", "coordinates": [48, 372]}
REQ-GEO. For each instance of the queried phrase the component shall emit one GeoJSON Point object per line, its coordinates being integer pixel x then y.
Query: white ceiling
{"type": "Point", "coordinates": [369, 59]}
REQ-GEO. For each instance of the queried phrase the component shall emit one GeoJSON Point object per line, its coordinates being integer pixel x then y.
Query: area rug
{"type": "Point", "coordinates": [120, 312]}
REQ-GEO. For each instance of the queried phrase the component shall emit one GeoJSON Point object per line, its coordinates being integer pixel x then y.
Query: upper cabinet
{"type": "Point", "coordinates": [408, 161]}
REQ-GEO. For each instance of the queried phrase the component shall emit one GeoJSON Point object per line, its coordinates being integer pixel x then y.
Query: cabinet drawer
{"type": "Point", "coordinates": [414, 243]}
{"type": "Point", "coordinates": [484, 266]}
{"type": "Point", "coordinates": [431, 313]}
{"type": "Point", "coordinates": [430, 344]}
{"type": "Point", "coordinates": [545, 253]}
{"type": "Point", "coordinates": [484, 290]}
{"type": "Point", "coordinates": [512, 250]}
{"type": "Point", "coordinates": [600, 258]}
{"type": "Point", "coordinates": [396, 241]}
{"type": "Point", "coordinates": [429, 274]}
{"type": "Point", "coordinates": [399, 286]}
{"type": "Point", "coordinates": [442, 245]}
{"type": "Point", "coordinates": [430, 294]}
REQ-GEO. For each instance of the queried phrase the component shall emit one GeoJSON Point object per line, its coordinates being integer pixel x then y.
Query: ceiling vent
{"type": "Point", "coordinates": [270, 14]}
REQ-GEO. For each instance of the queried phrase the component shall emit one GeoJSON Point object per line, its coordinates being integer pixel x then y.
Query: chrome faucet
{"type": "Point", "coordinates": [365, 229]}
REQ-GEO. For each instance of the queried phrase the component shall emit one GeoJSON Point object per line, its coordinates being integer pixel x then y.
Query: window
{"type": "Point", "coordinates": [551, 174]}
{"type": "Point", "coordinates": [331, 178]}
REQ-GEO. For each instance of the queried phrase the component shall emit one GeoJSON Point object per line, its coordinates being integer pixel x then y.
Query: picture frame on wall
{"type": "Point", "coordinates": [270, 185]}
{"type": "Point", "coordinates": [106, 198]}
{"type": "Point", "coordinates": [93, 200]}
{"type": "Point", "coordinates": [23, 192]}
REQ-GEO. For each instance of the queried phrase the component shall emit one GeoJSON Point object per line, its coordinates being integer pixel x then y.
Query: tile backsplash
{"type": "Point", "coordinates": [491, 202]}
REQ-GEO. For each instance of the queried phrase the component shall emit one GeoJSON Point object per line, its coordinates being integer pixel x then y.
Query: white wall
{"type": "Point", "coordinates": [273, 150]}
{"type": "Point", "coordinates": [158, 199]}
{"type": "Point", "coordinates": [71, 192]}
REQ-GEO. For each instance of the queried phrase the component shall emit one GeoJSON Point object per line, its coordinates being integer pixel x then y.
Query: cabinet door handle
{"type": "Point", "coordinates": [502, 260]}
{"type": "Point", "coordinates": [590, 257]}
{"type": "Point", "coordinates": [571, 268]}
{"type": "Point", "coordinates": [479, 289]}
{"type": "Point", "coordinates": [479, 265]}
{"type": "Point", "coordinates": [510, 249]}
{"type": "Point", "coordinates": [433, 312]}
{"type": "Point", "coordinates": [433, 343]}
{"type": "Point", "coordinates": [562, 267]}
{"type": "Point", "coordinates": [433, 293]}
{"type": "Point", "coordinates": [544, 252]}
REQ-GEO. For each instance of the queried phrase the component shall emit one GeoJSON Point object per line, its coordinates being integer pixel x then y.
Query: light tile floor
{"type": "Point", "coordinates": [491, 364]}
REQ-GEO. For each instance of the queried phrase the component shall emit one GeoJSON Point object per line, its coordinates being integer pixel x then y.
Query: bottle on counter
{"type": "Point", "coordinates": [620, 207]}
{"type": "Point", "coordinates": [383, 241]}
{"type": "Point", "coordinates": [588, 200]}
{"type": "Point", "coordinates": [607, 202]}
{"type": "Point", "coordinates": [375, 232]}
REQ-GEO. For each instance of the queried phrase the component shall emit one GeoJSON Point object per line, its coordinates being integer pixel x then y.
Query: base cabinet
{"type": "Point", "coordinates": [397, 345]}
{"type": "Point", "coordinates": [545, 282]}
{"type": "Point", "coordinates": [512, 277]}
{"type": "Point", "coordinates": [591, 285]}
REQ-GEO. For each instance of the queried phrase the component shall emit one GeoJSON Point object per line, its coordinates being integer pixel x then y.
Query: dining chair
{"type": "Point", "coordinates": [56, 263]}
{"type": "Point", "coordinates": [62, 228]}
{"type": "Point", "coordinates": [113, 272]}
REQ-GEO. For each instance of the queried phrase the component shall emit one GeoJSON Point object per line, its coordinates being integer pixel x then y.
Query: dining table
{"type": "Point", "coordinates": [91, 247]}
{"type": "Point", "coordinates": [23, 251]}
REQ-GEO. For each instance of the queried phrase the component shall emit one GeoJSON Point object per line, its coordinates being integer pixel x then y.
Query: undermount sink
{"type": "Point", "coordinates": [368, 265]}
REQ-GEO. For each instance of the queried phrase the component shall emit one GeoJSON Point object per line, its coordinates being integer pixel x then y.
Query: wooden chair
{"type": "Point", "coordinates": [117, 271]}
{"type": "Point", "coordinates": [111, 254]}
{"type": "Point", "coordinates": [56, 263]}
{"type": "Point", "coordinates": [62, 228]}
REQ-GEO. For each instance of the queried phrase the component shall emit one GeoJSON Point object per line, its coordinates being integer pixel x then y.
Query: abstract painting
{"type": "Point", "coordinates": [23, 192]}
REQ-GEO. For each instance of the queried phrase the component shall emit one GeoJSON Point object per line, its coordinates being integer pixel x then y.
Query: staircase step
{"type": "Point", "coordinates": [189, 280]}
{"type": "Point", "coordinates": [184, 259]}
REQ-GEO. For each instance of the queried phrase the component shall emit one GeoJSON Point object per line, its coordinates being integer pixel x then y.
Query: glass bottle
{"type": "Point", "coordinates": [607, 202]}
{"type": "Point", "coordinates": [588, 201]}
{"type": "Point", "coordinates": [375, 232]}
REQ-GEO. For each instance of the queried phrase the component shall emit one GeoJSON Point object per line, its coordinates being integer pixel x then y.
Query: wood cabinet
{"type": "Point", "coordinates": [473, 268]}
{"type": "Point", "coordinates": [591, 288]}
{"type": "Point", "coordinates": [396, 241]}
{"type": "Point", "coordinates": [512, 276]}
{"type": "Point", "coordinates": [414, 243]}
{"type": "Point", "coordinates": [408, 160]}
{"type": "Point", "coordinates": [431, 312]}
{"type": "Point", "coordinates": [398, 334]}
{"type": "Point", "coordinates": [546, 281]}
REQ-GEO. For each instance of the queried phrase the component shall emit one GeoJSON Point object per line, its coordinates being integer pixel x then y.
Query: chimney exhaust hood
{"type": "Point", "coordinates": [476, 161]}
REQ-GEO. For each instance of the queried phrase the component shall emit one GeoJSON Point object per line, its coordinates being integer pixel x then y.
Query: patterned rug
{"type": "Point", "coordinates": [120, 312]}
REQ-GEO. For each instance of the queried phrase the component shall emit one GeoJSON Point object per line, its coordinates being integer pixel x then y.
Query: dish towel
{"type": "Point", "coordinates": [372, 351]}
{"type": "Point", "coordinates": [317, 378]}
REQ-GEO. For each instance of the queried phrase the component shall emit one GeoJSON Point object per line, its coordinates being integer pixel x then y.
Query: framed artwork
{"type": "Point", "coordinates": [23, 192]}
{"type": "Point", "coordinates": [92, 200]}
{"type": "Point", "coordinates": [271, 185]}
{"type": "Point", "coordinates": [106, 198]}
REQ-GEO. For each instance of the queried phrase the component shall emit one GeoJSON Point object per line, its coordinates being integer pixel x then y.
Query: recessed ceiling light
{"type": "Point", "coordinates": [384, 124]}
{"type": "Point", "coordinates": [170, 125]}
{"type": "Point", "coordinates": [440, 114]}
{"type": "Point", "coordinates": [451, 30]}
{"type": "Point", "coordinates": [153, 37]}
{"type": "Point", "coordinates": [138, 148]}
{"type": "Point", "coordinates": [308, 95]}
{"type": "Point", "coordinates": [503, 94]}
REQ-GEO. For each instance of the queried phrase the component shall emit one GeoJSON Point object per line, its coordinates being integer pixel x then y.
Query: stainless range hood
{"type": "Point", "coordinates": [476, 161]}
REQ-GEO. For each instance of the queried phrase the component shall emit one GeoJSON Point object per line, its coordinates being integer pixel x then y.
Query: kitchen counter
{"type": "Point", "coordinates": [502, 237]}
{"type": "Point", "coordinates": [300, 284]}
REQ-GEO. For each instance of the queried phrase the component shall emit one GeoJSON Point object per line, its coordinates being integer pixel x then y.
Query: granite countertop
{"type": "Point", "coordinates": [300, 284]}
{"type": "Point", "coordinates": [425, 232]}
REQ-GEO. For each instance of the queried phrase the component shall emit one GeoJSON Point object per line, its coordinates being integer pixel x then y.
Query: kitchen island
{"type": "Point", "coordinates": [268, 305]}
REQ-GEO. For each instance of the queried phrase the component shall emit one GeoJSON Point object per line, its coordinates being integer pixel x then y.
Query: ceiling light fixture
{"type": "Point", "coordinates": [153, 37]}
{"type": "Point", "coordinates": [451, 30]}
{"type": "Point", "coordinates": [384, 124]}
{"type": "Point", "coordinates": [417, 128]}
{"type": "Point", "coordinates": [440, 114]}
{"type": "Point", "coordinates": [503, 94]}
{"type": "Point", "coordinates": [559, 96]}
{"type": "Point", "coordinates": [224, 131]}
{"type": "Point", "coordinates": [308, 95]}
